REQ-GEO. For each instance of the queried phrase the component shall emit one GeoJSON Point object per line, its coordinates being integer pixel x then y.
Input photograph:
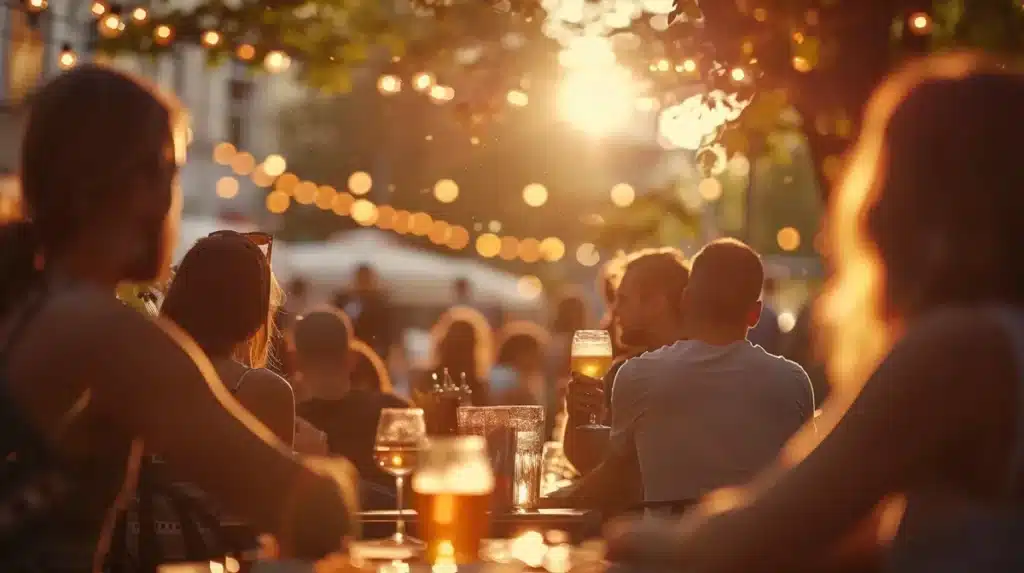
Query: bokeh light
{"type": "Point", "coordinates": [459, 238]}
{"type": "Point", "coordinates": [364, 212]}
{"type": "Point", "coordinates": [305, 193]}
{"type": "Point", "coordinates": [597, 101]}
{"type": "Point", "coordinates": [623, 195]}
{"type": "Point", "coordinates": [552, 249]}
{"type": "Point", "coordinates": [788, 239]}
{"type": "Point", "coordinates": [243, 163]}
{"type": "Point", "coordinates": [786, 321]}
{"type": "Point", "coordinates": [529, 250]}
{"type": "Point", "coordinates": [342, 204]}
{"type": "Point", "coordinates": [325, 197]}
{"type": "Point", "coordinates": [509, 248]}
{"type": "Point", "coordinates": [227, 187]}
{"type": "Point", "coordinates": [587, 255]}
{"type": "Point", "coordinates": [389, 84]}
{"type": "Point", "coordinates": [710, 189]}
{"type": "Point", "coordinates": [274, 165]}
{"type": "Point", "coordinates": [224, 152]}
{"type": "Point", "coordinates": [287, 183]}
{"type": "Point", "coordinates": [278, 202]}
{"type": "Point", "coordinates": [488, 245]}
{"type": "Point", "coordinates": [446, 191]}
{"type": "Point", "coordinates": [360, 182]}
{"type": "Point", "coordinates": [530, 287]}
{"type": "Point", "coordinates": [420, 223]}
{"type": "Point", "coordinates": [535, 194]}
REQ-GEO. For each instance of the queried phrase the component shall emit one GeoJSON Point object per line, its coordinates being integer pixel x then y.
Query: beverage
{"type": "Point", "coordinates": [592, 366]}
{"type": "Point", "coordinates": [453, 495]}
{"type": "Point", "coordinates": [397, 459]}
{"type": "Point", "coordinates": [452, 525]}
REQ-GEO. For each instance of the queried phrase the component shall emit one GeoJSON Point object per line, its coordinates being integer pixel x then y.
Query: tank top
{"type": "Point", "coordinates": [52, 508]}
{"type": "Point", "coordinates": [943, 532]}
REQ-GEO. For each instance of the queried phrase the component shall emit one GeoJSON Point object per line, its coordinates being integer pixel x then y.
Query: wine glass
{"type": "Point", "coordinates": [400, 435]}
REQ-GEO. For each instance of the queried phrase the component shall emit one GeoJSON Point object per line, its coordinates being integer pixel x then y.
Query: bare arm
{"type": "Point", "coordinates": [161, 388]}
{"type": "Point", "coordinates": [269, 398]}
{"type": "Point", "coordinates": [950, 381]}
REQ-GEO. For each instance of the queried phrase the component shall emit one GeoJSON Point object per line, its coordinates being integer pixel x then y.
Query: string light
{"type": "Point", "coordinates": [360, 182]}
{"type": "Point", "coordinates": [210, 38]}
{"type": "Point", "coordinates": [920, 23]}
{"type": "Point", "coordinates": [98, 8]}
{"type": "Point", "coordinates": [227, 187]}
{"type": "Point", "coordinates": [163, 34]}
{"type": "Point", "coordinates": [623, 195]}
{"type": "Point", "coordinates": [111, 25]}
{"type": "Point", "coordinates": [67, 58]}
{"type": "Point", "coordinates": [389, 84]}
{"type": "Point", "coordinates": [140, 14]}
{"type": "Point", "coordinates": [276, 61]}
{"type": "Point", "coordinates": [446, 191]}
{"type": "Point", "coordinates": [535, 195]}
{"type": "Point", "coordinates": [788, 239]}
{"type": "Point", "coordinates": [245, 52]}
{"type": "Point", "coordinates": [37, 5]}
{"type": "Point", "coordinates": [517, 98]}
{"type": "Point", "coordinates": [422, 81]}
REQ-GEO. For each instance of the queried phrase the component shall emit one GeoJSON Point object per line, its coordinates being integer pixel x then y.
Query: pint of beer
{"type": "Point", "coordinates": [453, 488]}
{"type": "Point", "coordinates": [591, 353]}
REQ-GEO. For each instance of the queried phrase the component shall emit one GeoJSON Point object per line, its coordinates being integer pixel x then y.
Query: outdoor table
{"type": "Point", "coordinates": [578, 523]}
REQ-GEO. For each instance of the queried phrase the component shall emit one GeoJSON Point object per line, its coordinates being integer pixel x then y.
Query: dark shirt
{"type": "Point", "coordinates": [371, 319]}
{"type": "Point", "coordinates": [350, 423]}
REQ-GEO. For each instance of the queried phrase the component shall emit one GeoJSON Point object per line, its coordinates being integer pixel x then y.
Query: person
{"type": "Point", "coordinates": [370, 311]}
{"type": "Point", "coordinates": [462, 292]}
{"type": "Point", "coordinates": [368, 370]}
{"type": "Point", "coordinates": [712, 410]}
{"type": "Point", "coordinates": [461, 341]}
{"type": "Point", "coordinates": [647, 316]}
{"type": "Point", "coordinates": [916, 466]}
{"type": "Point", "coordinates": [517, 378]}
{"type": "Point", "coordinates": [224, 296]}
{"type": "Point", "coordinates": [766, 333]}
{"type": "Point", "coordinates": [86, 380]}
{"type": "Point", "coordinates": [348, 415]}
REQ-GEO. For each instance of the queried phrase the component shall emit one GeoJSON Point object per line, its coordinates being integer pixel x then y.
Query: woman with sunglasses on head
{"type": "Point", "coordinates": [921, 446]}
{"type": "Point", "coordinates": [85, 381]}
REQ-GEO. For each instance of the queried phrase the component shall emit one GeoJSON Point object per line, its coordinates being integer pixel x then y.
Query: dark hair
{"type": "Point", "coordinates": [323, 336]}
{"type": "Point", "coordinates": [221, 293]}
{"type": "Point", "coordinates": [665, 268]}
{"type": "Point", "coordinates": [93, 135]}
{"type": "Point", "coordinates": [519, 338]}
{"type": "Point", "coordinates": [929, 210]}
{"type": "Point", "coordinates": [298, 286]}
{"type": "Point", "coordinates": [369, 372]}
{"type": "Point", "coordinates": [570, 315]}
{"type": "Point", "coordinates": [725, 282]}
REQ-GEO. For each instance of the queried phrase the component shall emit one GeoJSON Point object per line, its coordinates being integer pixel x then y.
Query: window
{"type": "Point", "coordinates": [240, 88]}
{"type": "Point", "coordinates": [26, 53]}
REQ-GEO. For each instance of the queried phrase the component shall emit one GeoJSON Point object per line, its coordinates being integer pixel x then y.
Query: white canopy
{"type": "Point", "coordinates": [410, 275]}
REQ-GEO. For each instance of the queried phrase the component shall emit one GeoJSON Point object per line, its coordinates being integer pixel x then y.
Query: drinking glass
{"type": "Point", "coordinates": [453, 487]}
{"type": "Point", "coordinates": [591, 355]}
{"type": "Point", "coordinates": [400, 436]}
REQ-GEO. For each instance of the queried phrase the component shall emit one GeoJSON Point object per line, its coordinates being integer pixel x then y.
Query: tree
{"type": "Point", "coordinates": [821, 58]}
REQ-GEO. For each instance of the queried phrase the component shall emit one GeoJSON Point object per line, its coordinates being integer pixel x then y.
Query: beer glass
{"type": "Point", "coordinates": [591, 355]}
{"type": "Point", "coordinates": [452, 489]}
{"type": "Point", "coordinates": [400, 436]}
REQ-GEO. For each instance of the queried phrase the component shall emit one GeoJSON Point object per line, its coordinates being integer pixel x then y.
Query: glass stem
{"type": "Point", "coordinates": [400, 526]}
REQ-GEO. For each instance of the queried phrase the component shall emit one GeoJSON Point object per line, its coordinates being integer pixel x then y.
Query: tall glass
{"type": "Point", "coordinates": [592, 356]}
{"type": "Point", "coordinates": [400, 436]}
{"type": "Point", "coordinates": [453, 487]}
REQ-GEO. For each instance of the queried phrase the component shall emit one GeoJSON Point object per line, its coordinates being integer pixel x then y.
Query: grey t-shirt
{"type": "Point", "coordinates": [702, 417]}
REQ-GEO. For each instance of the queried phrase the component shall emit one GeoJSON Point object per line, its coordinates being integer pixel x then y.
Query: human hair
{"type": "Point", "coordinates": [224, 296]}
{"type": "Point", "coordinates": [95, 138]}
{"type": "Point", "coordinates": [520, 337]}
{"type": "Point", "coordinates": [725, 283]}
{"type": "Point", "coordinates": [610, 276]}
{"type": "Point", "coordinates": [928, 212]}
{"type": "Point", "coordinates": [570, 314]}
{"type": "Point", "coordinates": [462, 341]}
{"type": "Point", "coordinates": [323, 338]}
{"type": "Point", "coordinates": [666, 269]}
{"type": "Point", "coordinates": [369, 371]}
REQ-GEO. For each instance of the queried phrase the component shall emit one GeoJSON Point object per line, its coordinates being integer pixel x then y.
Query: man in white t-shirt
{"type": "Point", "coordinates": [713, 410]}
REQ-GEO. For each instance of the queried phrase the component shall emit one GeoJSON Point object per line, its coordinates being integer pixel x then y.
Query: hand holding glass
{"type": "Point", "coordinates": [400, 435]}
{"type": "Point", "coordinates": [591, 355]}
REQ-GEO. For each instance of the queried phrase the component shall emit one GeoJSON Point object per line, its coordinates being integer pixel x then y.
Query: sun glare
{"type": "Point", "coordinates": [597, 100]}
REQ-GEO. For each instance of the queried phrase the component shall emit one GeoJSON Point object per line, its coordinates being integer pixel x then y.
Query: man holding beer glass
{"type": "Point", "coordinates": [648, 314]}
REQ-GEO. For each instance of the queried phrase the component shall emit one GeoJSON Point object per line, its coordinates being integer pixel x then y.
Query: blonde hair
{"type": "Point", "coordinates": [256, 352]}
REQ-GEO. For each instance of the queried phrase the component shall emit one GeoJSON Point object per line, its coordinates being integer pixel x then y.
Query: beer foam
{"type": "Point", "coordinates": [469, 478]}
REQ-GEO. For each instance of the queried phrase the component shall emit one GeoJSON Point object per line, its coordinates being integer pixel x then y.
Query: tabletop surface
{"type": "Point", "coordinates": [546, 514]}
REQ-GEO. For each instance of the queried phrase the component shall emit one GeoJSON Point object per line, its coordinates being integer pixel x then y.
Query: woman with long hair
{"type": "Point", "coordinates": [368, 370]}
{"type": "Point", "coordinates": [224, 296]}
{"type": "Point", "coordinates": [461, 341]}
{"type": "Point", "coordinates": [922, 440]}
{"type": "Point", "coordinates": [85, 381]}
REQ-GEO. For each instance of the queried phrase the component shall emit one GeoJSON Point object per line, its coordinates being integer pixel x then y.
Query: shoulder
{"type": "Point", "coordinates": [389, 400]}
{"type": "Point", "coordinates": [263, 381]}
{"type": "Point", "coordinates": [961, 337]}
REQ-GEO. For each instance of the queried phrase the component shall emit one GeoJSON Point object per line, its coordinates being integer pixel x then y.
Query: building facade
{"type": "Point", "coordinates": [226, 103]}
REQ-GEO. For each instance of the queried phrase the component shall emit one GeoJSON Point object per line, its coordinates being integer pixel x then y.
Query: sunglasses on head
{"type": "Point", "coordinates": [265, 241]}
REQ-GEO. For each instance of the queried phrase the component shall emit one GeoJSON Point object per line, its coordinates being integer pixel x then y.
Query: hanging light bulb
{"type": "Point", "coordinates": [163, 34]}
{"type": "Point", "coordinates": [98, 8]}
{"type": "Point", "coordinates": [36, 5]}
{"type": "Point", "coordinates": [211, 38]}
{"type": "Point", "coordinates": [389, 84]}
{"type": "Point", "coordinates": [140, 14]}
{"type": "Point", "coordinates": [276, 61]}
{"type": "Point", "coordinates": [111, 25]}
{"type": "Point", "coordinates": [67, 58]}
{"type": "Point", "coordinates": [422, 81]}
{"type": "Point", "coordinates": [920, 23]}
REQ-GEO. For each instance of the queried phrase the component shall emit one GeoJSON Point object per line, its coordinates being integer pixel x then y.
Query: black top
{"type": "Point", "coordinates": [350, 423]}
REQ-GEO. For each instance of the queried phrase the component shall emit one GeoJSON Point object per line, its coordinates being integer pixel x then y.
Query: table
{"type": "Point", "coordinates": [580, 524]}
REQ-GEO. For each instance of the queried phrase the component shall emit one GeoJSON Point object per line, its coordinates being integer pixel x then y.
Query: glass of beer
{"type": "Point", "coordinates": [591, 356]}
{"type": "Point", "coordinates": [453, 488]}
{"type": "Point", "coordinates": [400, 436]}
